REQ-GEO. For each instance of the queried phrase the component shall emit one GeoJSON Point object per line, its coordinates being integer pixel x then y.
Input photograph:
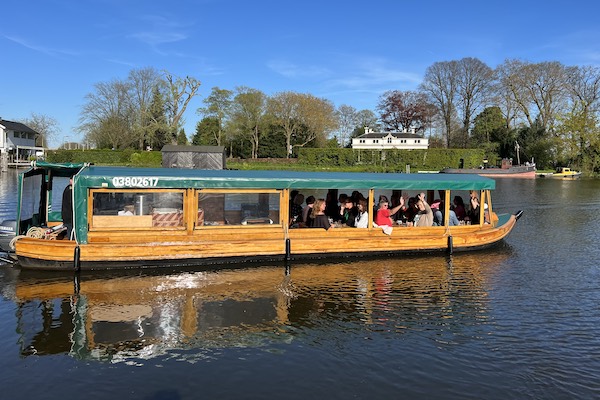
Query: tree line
{"type": "Point", "coordinates": [545, 111]}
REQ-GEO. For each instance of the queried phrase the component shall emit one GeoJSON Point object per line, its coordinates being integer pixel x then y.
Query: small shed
{"type": "Point", "coordinates": [193, 157]}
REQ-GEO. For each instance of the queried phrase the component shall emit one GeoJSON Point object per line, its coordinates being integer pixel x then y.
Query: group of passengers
{"type": "Point", "coordinates": [459, 212]}
{"type": "Point", "coordinates": [352, 211]}
{"type": "Point", "coordinates": [327, 213]}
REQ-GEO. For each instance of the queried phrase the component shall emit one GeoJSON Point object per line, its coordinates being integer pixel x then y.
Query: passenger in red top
{"type": "Point", "coordinates": [383, 216]}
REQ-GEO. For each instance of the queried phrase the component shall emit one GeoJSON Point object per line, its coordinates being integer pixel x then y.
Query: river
{"type": "Point", "coordinates": [519, 321]}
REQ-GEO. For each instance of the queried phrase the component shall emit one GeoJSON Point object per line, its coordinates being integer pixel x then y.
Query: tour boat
{"type": "Point", "coordinates": [147, 217]}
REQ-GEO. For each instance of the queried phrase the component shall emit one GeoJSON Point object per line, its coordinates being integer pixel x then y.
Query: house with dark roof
{"type": "Point", "coordinates": [371, 140]}
{"type": "Point", "coordinates": [17, 142]}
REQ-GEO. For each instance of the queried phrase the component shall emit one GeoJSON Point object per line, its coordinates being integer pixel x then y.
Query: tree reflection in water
{"type": "Point", "coordinates": [129, 316]}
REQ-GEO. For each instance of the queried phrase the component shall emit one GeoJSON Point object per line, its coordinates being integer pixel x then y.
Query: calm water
{"type": "Point", "coordinates": [520, 321]}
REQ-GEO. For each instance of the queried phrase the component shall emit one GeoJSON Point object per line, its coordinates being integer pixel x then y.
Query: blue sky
{"type": "Point", "coordinates": [350, 52]}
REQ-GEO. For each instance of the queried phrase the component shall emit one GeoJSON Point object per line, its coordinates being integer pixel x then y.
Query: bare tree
{"type": "Point", "coordinates": [513, 93]}
{"type": "Point", "coordinates": [366, 118]}
{"type": "Point", "coordinates": [474, 83]}
{"type": "Point", "coordinates": [583, 86]}
{"type": "Point", "coordinates": [44, 125]}
{"type": "Point", "coordinates": [578, 130]}
{"type": "Point", "coordinates": [441, 85]}
{"type": "Point", "coordinates": [536, 88]}
{"type": "Point", "coordinates": [402, 111]}
{"type": "Point", "coordinates": [107, 117]}
{"type": "Point", "coordinates": [180, 92]}
{"type": "Point", "coordinates": [347, 121]}
{"type": "Point", "coordinates": [143, 84]}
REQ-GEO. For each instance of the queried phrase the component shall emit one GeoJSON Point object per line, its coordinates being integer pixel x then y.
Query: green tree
{"type": "Point", "coordinates": [218, 105]}
{"type": "Point", "coordinates": [182, 138]}
{"type": "Point", "coordinates": [533, 144]}
{"type": "Point", "coordinates": [248, 115]}
{"type": "Point", "coordinates": [206, 132]}
{"type": "Point", "coordinates": [579, 137]}
{"type": "Point", "coordinates": [489, 131]}
{"type": "Point", "coordinates": [158, 130]}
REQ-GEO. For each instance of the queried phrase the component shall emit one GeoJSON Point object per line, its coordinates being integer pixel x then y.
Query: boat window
{"type": "Point", "coordinates": [238, 208]}
{"type": "Point", "coordinates": [59, 183]}
{"type": "Point", "coordinates": [148, 210]}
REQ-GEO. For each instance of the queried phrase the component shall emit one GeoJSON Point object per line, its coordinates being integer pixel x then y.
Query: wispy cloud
{"type": "Point", "coordinates": [370, 74]}
{"type": "Point", "coordinates": [159, 30]}
{"type": "Point", "coordinates": [121, 62]}
{"type": "Point", "coordinates": [41, 49]}
{"type": "Point", "coordinates": [158, 38]}
{"type": "Point", "coordinates": [291, 70]}
{"type": "Point", "coordinates": [571, 48]}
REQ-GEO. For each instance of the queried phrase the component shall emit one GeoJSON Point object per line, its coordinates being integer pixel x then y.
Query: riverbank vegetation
{"type": "Point", "coordinates": [307, 160]}
{"type": "Point", "coordinates": [544, 112]}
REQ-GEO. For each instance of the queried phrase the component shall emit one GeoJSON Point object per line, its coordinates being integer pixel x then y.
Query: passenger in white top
{"type": "Point", "coordinates": [362, 219]}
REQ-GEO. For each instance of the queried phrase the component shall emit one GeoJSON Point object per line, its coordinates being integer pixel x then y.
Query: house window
{"type": "Point", "coordinates": [375, 141]}
{"type": "Point", "coordinates": [389, 140]}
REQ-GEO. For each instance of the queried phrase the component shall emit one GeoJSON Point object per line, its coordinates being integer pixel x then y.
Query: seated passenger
{"type": "Point", "coordinates": [319, 219]}
{"type": "Point", "coordinates": [425, 212]}
{"type": "Point", "coordinates": [296, 209]}
{"type": "Point", "coordinates": [438, 215]}
{"type": "Point", "coordinates": [348, 212]}
{"type": "Point", "coordinates": [307, 211]}
{"type": "Point", "coordinates": [362, 219]}
{"type": "Point", "coordinates": [473, 214]}
{"type": "Point", "coordinates": [459, 208]}
{"type": "Point", "coordinates": [383, 216]}
{"type": "Point", "coordinates": [411, 211]}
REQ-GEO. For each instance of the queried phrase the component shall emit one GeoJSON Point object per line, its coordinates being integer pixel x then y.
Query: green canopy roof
{"type": "Point", "coordinates": [98, 176]}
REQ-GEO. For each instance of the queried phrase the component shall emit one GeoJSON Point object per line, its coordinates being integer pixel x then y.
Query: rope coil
{"type": "Point", "coordinates": [36, 232]}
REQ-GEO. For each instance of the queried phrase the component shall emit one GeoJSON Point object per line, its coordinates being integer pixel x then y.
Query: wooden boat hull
{"type": "Point", "coordinates": [575, 175]}
{"type": "Point", "coordinates": [513, 172]}
{"type": "Point", "coordinates": [132, 250]}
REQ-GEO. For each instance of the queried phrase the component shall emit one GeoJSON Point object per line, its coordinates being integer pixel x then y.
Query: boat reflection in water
{"type": "Point", "coordinates": [134, 317]}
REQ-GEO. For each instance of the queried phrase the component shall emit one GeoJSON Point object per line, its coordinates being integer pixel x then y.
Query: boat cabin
{"type": "Point", "coordinates": [145, 214]}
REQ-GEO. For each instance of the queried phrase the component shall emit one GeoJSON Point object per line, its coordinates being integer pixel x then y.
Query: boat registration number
{"type": "Point", "coordinates": [134, 181]}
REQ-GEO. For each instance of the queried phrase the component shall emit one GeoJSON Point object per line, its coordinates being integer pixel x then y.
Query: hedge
{"type": "Point", "coordinates": [393, 160]}
{"type": "Point", "coordinates": [308, 159]}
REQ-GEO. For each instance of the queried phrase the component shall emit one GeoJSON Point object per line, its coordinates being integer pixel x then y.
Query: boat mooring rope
{"type": "Point", "coordinates": [36, 233]}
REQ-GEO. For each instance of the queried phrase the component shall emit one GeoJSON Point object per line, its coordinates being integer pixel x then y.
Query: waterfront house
{"type": "Point", "coordinates": [17, 143]}
{"type": "Point", "coordinates": [405, 140]}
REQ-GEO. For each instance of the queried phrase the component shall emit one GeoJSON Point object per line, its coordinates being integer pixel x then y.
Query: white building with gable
{"type": "Point", "coordinates": [371, 140]}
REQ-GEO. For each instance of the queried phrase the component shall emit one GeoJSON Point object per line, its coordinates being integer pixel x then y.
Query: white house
{"type": "Point", "coordinates": [17, 142]}
{"type": "Point", "coordinates": [390, 140]}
